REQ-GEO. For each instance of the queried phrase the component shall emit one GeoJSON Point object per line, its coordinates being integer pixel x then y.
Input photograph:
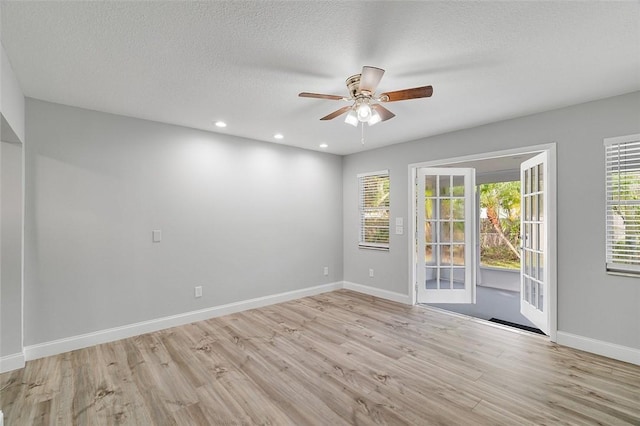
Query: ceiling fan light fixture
{"type": "Point", "coordinates": [364, 112]}
{"type": "Point", "coordinates": [375, 118]}
{"type": "Point", "coordinates": [352, 118]}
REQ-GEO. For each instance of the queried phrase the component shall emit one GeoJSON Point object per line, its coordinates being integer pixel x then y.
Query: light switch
{"type": "Point", "coordinates": [399, 221]}
{"type": "Point", "coordinates": [157, 235]}
{"type": "Point", "coordinates": [399, 230]}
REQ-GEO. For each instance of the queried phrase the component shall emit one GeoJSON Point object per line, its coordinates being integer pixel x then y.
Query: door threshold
{"type": "Point", "coordinates": [484, 321]}
{"type": "Point", "coordinates": [516, 325]}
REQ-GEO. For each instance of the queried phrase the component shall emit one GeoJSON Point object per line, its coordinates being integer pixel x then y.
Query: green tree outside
{"type": "Point", "coordinates": [500, 231]}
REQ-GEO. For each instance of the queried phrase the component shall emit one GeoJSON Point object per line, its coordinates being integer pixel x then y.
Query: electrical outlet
{"type": "Point", "coordinates": [370, 273]}
{"type": "Point", "coordinates": [198, 291]}
{"type": "Point", "coordinates": [326, 271]}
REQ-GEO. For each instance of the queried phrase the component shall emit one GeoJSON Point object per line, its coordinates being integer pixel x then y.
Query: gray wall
{"type": "Point", "coordinates": [10, 249]}
{"type": "Point", "coordinates": [590, 302]}
{"type": "Point", "coordinates": [11, 98]}
{"type": "Point", "coordinates": [242, 218]}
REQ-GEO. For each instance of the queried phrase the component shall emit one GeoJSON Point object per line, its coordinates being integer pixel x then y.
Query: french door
{"type": "Point", "coordinates": [445, 235]}
{"type": "Point", "coordinates": [534, 273]}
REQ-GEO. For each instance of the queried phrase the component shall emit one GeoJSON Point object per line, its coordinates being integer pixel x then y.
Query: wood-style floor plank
{"type": "Point", "coordinates": [338, 358]}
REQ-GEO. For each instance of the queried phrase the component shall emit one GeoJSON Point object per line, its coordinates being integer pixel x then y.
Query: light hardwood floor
{"type": "Point", "coordinates": [338, 358]}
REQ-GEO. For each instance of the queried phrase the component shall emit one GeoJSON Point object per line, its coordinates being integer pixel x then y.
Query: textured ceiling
{"type": "Point", "coordinates": [191, 63]}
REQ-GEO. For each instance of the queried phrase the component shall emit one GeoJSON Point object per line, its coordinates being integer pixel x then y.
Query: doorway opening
{"type": "Point", "coordinates": [484, 243]}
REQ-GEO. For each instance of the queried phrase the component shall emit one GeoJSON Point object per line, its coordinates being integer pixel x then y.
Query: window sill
{"type": "Point", "coordinates": [373, 248]}
{"type": "Point", "coordinates": [624, 274]}
{"type": "Point", "coordinates": [626, 270]}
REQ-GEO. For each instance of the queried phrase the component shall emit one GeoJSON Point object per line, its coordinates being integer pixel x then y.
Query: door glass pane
{"type": "Point", "coordinates": [539, 245]}
{"type": "Point", "coordinates": [527, 181]}
{"type": "Point", "coordinates": [458, 232]}
{"type": "Point", "coordinates": [534, 179]}
{"type": "Point", "coordinates": [540, 209]}
{"type": "Point", "coordinates": [445, 232]}
{"type": "Point", "coordinates": [445, 279]}
{"type": "Point", "coordinates": [458, 278]}
{"type": "Point", "coordinates": [430, 186]}
{"type": "Point", "coordinates": [534, 236]}
{"type": "Point", "coordinates": [534, 207]}
{"type": "Point", "coordinates": [539, 264]}
{"type": "Point", "coordinates": [534, 293]}
{"type": "Point", "coordinates": [458, 254]}
{"type": "Point", "coordinates": [458, 186]}
{"type": "Point", "coordinates": [458, 208]}
{"type": "Point", "coordinates": [428, 254]}
{"type": "Point", "coordinates": [429, 227]}
{"type": "Point", "coordinates": [445, 186]}
{"type": "Point", "coordinates": [445, 255]}
{"type": "Point", "coordinates": [429, 208]}
{"type": "Point", "coordinates": [431, 282]}
{"type": "Point", "coordinates": [445, 208]}
{"type": "Point", "coordinates": [540, 177]}
{"type": "Point", "coordinates": [527, 208]}
{"type": "Point", "coordinates": [540, 294]}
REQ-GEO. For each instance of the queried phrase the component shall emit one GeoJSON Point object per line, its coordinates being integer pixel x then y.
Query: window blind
{"type": "Point", "coordinates": [373, 196]}
{"type": "Point", "coordinates": [622, 165]}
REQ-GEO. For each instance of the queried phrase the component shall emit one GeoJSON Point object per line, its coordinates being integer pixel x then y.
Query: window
{"type": "Point", "coordinates": [373, 202]}
{"type": "Point", "coordinates": [622, 160]}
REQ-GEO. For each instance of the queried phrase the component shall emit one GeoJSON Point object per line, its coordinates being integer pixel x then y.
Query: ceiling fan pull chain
{"type": "Point", "coordinates": [362, 126]}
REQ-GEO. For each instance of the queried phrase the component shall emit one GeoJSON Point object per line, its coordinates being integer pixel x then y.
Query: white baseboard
{"type": "Point", "coordinates": [104, 336]}
{"type": "Point", "coordinates": [610, 350]}
{"type": "Point", "coordinates": [377, 292]}
{"type": "Point", "coordinates": [11, 362]}
{"type": "Point", "coordinates": [16, 361]}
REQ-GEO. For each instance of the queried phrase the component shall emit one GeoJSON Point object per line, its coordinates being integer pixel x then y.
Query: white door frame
{"type": "Point", "coordinates": [533, 312]}
{"type": "Point", "coordinates": [450, 295]}
{"type": "Point", "coordinates": [550, 148]}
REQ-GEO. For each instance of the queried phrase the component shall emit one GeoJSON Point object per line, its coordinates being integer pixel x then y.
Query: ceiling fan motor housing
{"type": "Point", "coordinates": [353, 84]}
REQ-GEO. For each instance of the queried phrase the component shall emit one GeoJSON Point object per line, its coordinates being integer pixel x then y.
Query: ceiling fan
{"type": "Point", "coordinates": [365, 106]}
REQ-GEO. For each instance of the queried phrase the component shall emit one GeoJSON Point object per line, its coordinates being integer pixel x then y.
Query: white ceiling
{"type": "Point", "coordinates": [191, 63]}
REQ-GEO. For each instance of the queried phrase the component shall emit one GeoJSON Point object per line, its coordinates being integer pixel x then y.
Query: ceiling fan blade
{"type": "Point", "coordinates": [334, 114]}
{"type": "Point", "coordinates": [320, 96]}
{"type": "Point", "coordinates": [370, 78]}
{"type": "Point", "coordinates": [403, 95]}
{"type": "Point", "coordinates": [385, 114]}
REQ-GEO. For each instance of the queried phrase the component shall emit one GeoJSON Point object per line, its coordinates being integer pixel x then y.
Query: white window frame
{"type": "Point", "coordinates": [614, 147]}
{"type": "Point", "coordinates": [362, 210]}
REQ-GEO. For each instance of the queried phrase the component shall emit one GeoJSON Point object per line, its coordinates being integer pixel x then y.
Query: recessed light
{"type": "Point", "coordinates": [278, 136]}
{"type": "Point", "coordinates": [221, 124]}
{"type": "Point", "coordinates": [324, 145]}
